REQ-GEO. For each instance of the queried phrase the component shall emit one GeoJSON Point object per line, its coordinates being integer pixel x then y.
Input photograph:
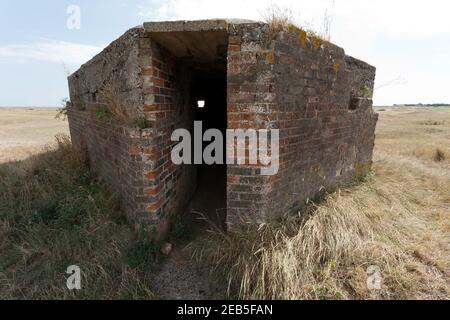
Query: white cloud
{"type": "Point", "coordinates": [52, 51]}
{"type": "Point", "coordinates": [365, 28]}
{"type": "Point", "coordinates": [400, 16]}
{"type": "Point", "coordinates": [355, 23]}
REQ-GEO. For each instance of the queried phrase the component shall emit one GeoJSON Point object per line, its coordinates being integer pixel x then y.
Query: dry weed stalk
{"type": "Point", "coordinates": [278, 20]}
{"type": "Point", "coordinates": [114, 103]}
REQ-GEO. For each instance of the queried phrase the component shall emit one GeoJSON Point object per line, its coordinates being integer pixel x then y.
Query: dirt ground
{"type": "Point", "coordinates": [24, 131]}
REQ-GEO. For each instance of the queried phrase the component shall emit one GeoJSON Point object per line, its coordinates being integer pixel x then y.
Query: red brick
{"type": "Point", "coordinates": [152, 175]}
{"type": "Point", "coordinates": [152, 191]}
{"type": "Point", "coordinates": [134, 150]}
{"type": "Point", "coordinates": [158, 82]}
{"type": "Point", "coordinates": [234, 40]}
{"type": "Point", "coordinates": [234, 48]}
{"type": "Point", "coordinates": [153, 207]}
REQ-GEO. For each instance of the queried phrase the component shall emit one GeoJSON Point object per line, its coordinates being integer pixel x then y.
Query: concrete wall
{"type": "Point", "coordinates": [110, 142]}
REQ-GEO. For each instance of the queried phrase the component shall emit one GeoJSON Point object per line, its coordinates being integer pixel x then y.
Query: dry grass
{"type": "Point", "coordinates": [398, 220]}
{"type": "Point", "coordinates": [414, 135]}
{"type": "Point", "coordinates": [278, 19]}
{"type": "Point", "coordinates": [439, 155]}
{"type": "Point", "coordinates": [54, 213]}
{"type": "Point", "coordinates": [282, 19]}
{"type": "Point", "coordinates": [23, 131]}
{"type": "Point", "coordinates": [114, 103]}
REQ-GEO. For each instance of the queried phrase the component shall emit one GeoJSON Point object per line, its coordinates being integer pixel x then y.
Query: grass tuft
{"type": "Point", "coordinates": [432, 122]}
{"type": "Point", "coordinates": [181, 231]}
{"type": "Point", "coordinates": [439, 155]}
{"type": "Point", "coordinates": [282, 19]}
{"type": "Point", "coordinates": [102, 112]}
{"type": "Point", "coordinates": [143, 252]}
{"type": "Point", "coordinates": [142, 123]}
{"type": "Point", "coordinates": [278, 20]}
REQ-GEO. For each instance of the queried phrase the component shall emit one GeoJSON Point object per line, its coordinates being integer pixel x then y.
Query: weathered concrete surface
{"type": "Point", "coordinates": [116, 69]}
{"type": "Point", "coordinates": [199, 46]}
{"type": "Point", "coordinates": [198, 25]}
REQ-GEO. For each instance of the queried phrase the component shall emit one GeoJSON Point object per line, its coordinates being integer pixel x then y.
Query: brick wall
{"type": "Point", "coordinates": [137, 81]}
{"type": "Point", "coordinates": [167, 106]}
{"type": "Point", "coordinates": [251, 101]}
{"type": "Point", "coordinates": [319, 99]}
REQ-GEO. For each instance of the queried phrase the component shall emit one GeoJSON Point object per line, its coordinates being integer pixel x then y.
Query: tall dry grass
{"type": "Point", "coordinates": [384, 222]}
{"type": "Point", "coordinates": [283, 19]}
{"type": "Point", "coordinates": [278, 19]}
{"type": "Point", "coordinates": [54, 213]}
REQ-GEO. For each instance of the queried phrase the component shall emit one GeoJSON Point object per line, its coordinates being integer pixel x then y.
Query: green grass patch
{"type": "Point", "coordinates": [181, 231]}
{"type": "Point", "coordinates": [144, 252]}
{"type": "Point", "coordinates": [102, 112]}
{"type": "Point", "coordinates": [142, 123]}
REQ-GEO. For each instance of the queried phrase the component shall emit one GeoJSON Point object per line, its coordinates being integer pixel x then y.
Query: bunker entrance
{"type": "Point", "coordinates": [210, 108]}
{"type": "Point", "coordinates": [204, 56]}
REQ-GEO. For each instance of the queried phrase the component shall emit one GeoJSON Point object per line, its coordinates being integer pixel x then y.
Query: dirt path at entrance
{"type": "Point", "coordinates": [180, 276]}
{"type": "Point", "coordinates": [183, 278]}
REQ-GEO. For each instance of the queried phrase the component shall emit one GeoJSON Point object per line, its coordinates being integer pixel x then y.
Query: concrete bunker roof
{"type": "Point", "coordinates": [198, 40]}
{"type": "Point", "coordinates": [195, 36]}
{"type": "Point", "coordinates": [194, 25]}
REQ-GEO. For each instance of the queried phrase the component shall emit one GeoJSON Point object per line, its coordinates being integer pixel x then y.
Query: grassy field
{"type": "Point", "coordinates": [395, 224]}
{"type": "Point", "coordinates": [23, 131]}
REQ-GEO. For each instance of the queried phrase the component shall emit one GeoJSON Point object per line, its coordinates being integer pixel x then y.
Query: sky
{"type": "Point", "coordinates": [41, 42]}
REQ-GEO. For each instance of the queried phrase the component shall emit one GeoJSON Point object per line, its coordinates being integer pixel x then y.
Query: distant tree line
{"type": "Point", "coordinates": [423, 105]}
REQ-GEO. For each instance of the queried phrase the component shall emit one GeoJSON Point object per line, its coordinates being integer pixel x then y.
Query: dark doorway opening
{"type": "Point", "coordinates": [202, 56]}
{"type": "Point", "coordinates": [209, 101]}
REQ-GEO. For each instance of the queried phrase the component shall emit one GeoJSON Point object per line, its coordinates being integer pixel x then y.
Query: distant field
{"type": "Point", "coordinates": [414, 135]}
{"type": "Point", "coordinates": [24, 131]}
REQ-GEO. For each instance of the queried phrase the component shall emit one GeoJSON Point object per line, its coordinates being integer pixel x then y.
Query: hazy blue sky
{"type": "Point", "coordinates": [408, 41]}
